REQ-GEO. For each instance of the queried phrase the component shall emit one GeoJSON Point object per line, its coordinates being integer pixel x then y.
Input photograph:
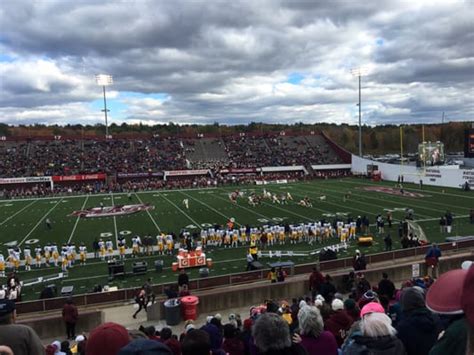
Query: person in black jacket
{"type": "Point", "coordinates": [386, 287]}
{"type": "Point", "coordinates": [418, 328]}
{"type": "Point", "coordinates": [183, 279]}
{"type": "Point", "coordinates": [327, 289]}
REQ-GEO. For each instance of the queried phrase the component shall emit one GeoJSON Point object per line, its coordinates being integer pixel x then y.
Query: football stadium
{"type": "Point", "coordinates": [227, 215]}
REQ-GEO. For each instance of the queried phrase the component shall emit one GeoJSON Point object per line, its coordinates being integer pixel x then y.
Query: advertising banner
{"type": "Point", "coordinates": [25, 180]}
{"type": "Point", "coordinates": [80, 177]}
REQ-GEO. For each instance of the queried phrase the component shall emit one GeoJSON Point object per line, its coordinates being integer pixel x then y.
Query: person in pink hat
{"type": "Point", "coordinates": [376, 334]}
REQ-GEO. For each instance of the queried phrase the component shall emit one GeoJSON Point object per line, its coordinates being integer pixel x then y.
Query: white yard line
{"type": "Point", "coordinates": [115, 222]}
{"type": "Point", "coordinates": [77, 220]}
{"type": "Point", "coordinates": [210, 207]}
{"type": "Point", "coordinates": [16, 213]}
{"type": "Point", "coordinates": [180, 210]}
{"type": "Point", "coordinates": [149, 214]}
{"type": "Point", "coordinates": [39, 222]}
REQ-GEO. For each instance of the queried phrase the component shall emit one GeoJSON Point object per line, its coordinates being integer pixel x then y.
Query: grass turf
{"type": "Point", "coordinates": [23, 221]}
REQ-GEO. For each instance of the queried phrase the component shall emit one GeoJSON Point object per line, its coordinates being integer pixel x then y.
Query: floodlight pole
{"type": "Point", "coordinates": [105, 80]}
{"type": "Point", "coordinates": [360, 119]}
{"type": "Point", "coordinates": [105, 112]}
{"type": "Point", "coordinates": [359, 72]}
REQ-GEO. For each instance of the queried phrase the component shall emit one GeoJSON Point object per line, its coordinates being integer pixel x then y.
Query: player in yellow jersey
{"type": "Point", "coordinates": [2, 266]}
{"type": "Point", "coordinates": [160, 244]}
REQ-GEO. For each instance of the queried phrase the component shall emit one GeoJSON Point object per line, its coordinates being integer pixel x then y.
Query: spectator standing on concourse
{"type": "Point", "coordinates": [315, 281]}
{"type": "Point", "coordinates": [21, 339]}
{"type": "Point", "coordinates": [432, 259]}
{"type": "Point", "coordinates": [70, 317]}
{"type": "Point", "coordinates": [386, 287]}
{"type": "Point", "coordinates": [183, 280]}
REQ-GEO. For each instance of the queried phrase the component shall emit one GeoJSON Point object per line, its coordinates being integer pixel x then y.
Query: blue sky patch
{"type": "Point", "coordinates": [295, 78]}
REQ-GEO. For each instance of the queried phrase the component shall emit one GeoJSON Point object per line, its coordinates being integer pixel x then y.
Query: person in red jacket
{"type": "Point", "coordinates": [315, 281]}
{"type": "Point", "coordinates": [70, 316]}
{"type": "Point", "coordinates": [338, 322]}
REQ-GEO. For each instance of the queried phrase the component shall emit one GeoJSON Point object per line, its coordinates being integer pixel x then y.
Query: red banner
{"type": "Point", "coordinates": [82, 177]}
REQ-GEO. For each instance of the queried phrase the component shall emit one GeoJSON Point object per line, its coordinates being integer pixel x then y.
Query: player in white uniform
{"type": "Point", "coordinates": [110, 249]}
{"type": "Point", "coordinates": [28, 258]}
{"type": "Point", "coordinates": [38, 256]}
{"type": "Point", "coordinates": [47, 254]}
{"type": "Point", "coordinates": [186, 203]}
{"type": "Point", "coordinates": [102, 249]}
{"type": "Point", "coordinates": [64, 261]}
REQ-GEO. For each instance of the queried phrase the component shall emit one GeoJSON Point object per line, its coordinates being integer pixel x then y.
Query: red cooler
{"type": "Point", "coordinates": [189, 304]}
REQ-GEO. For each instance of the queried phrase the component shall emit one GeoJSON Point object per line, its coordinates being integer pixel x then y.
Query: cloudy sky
{"type": "Point", "coordinates": [236, 61]}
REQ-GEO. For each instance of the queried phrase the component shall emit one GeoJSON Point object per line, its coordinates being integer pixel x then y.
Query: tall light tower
{"type": "Point", "coordinates": [359, 72]}
{"type": "Point", "coordinates": [104, 80]}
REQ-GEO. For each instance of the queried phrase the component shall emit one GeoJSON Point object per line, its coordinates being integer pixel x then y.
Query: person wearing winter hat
{"type": "Point", "coordinates": [246, 335]}
{"type": "Point", "coordinates": [107, 339]}
{"type": "Point", "coordinates": [338, 322]}
{"type": "Point", "coordinates": [376, 334]}
{"type": "Point", "coordinates": [418, 328]}
{"type": "Point", "coordinates": [145, 347]}
{"type": "Point", "coordinates": [446, 297]}
{"type": "Point", "coordinates": [352, 309]}
{"type": "Point", "coordinates": [166, 337]}
{"type": "Point", "coordinates": [314, 338]}
{"type": "Point", "coordinates": [21, 339]}
{"type": "Point", "coordinates": [215, 334]}
{"type": "Point", "coordinates": [367, 297]}
{"type": "Point", "coordinates": [232, 344]}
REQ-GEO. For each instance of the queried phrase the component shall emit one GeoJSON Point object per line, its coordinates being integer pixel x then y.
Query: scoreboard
{"type": "Point", "coordinates": [469, 143]}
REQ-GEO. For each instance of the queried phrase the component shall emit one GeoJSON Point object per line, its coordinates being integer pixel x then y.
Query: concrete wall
{"type": "Point", "coordinates": [437, 176]}
{"type": "Point", "coordinates": [51, 326]}
{"type": "Point", "coordinates": [239, 296]}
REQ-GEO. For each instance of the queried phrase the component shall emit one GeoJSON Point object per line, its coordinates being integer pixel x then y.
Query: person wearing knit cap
{"type": "Point", "coordinates": [352, 309]}
{"type": "Point", "coordinates": [376, 335]}
{"type": "Point", "coordinates": [145, 347]}
{"type": "Point", "coordinates": [22, 339]}
{"type": "Point", "coordinates": [419, 328]}
{"type": "Point", "coordinates": [369, 296]}
{"type": "Point", "coordinates": [338, 322]}
{"type": "Point", "coordinates": [107, 339]}
{"type": "Point", "coordinates": [445, 297]}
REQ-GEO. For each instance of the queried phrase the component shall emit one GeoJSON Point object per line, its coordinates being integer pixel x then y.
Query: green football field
{"type": "Point", "coordinates": [22, 222]}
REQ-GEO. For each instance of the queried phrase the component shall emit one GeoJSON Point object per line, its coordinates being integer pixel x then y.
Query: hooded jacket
{"type": "Point", "coordinates": [362, 345]}
{"type": "Point", "coordinates": [339, 324]}
{"type": "Point", "coordinates": [418, 330]}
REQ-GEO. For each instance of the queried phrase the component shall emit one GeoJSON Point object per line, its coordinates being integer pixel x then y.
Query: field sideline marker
{"type": "Point", "coordinates": [13, 215]}
{"type": "Point", "coordinates": [77, 220]}
{"type": "Point", "coordinates": [41, 220]}
{"type": "Point", "coordinates": [149, 214]}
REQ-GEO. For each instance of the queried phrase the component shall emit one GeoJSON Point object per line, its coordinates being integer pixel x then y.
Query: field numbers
{"type": "Point", "coordinates": [31, 241]}
{"type": "Point", "coordinates": [274, 219]}
{"type": "Point", "coordinates": [110, 235]}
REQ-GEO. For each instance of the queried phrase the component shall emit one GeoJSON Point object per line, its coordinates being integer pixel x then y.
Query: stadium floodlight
{"type": "Point", "coordinates": [104, 80]}
{"type": "Point", "coordinates": [359, 72]}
